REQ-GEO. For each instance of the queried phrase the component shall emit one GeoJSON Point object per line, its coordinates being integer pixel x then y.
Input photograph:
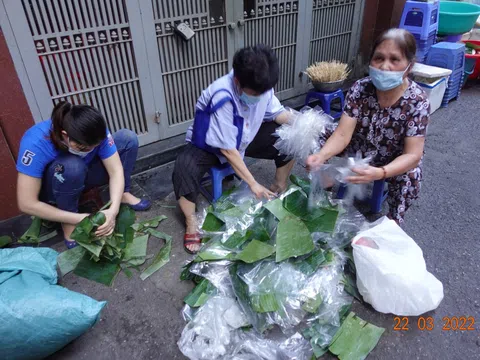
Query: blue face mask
{"type": "Point", "coordinates": [249, 99]}
{"type": "Point", "coordinates": [386, 80]}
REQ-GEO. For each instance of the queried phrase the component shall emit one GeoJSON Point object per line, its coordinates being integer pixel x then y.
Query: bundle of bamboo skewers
{"type": "Point", "coordinates": [327, 72]}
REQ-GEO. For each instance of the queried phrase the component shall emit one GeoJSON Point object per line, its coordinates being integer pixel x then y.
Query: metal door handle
{"type": "Point", "coordinates": [232, 26]}
{"type": "Point", "coordinates": [241, 23]}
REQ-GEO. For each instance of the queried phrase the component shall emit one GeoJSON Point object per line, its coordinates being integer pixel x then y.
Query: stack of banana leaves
{"type": "Point", "coordinates": [100, 259]}
{"type": "Point", "coordinates": [288, 264]}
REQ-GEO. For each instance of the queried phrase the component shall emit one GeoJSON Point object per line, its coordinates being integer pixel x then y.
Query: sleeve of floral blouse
{"type": "Point", "coordinates": [418, 122]}
{"type": "Point", "coordinates": [351, 107]}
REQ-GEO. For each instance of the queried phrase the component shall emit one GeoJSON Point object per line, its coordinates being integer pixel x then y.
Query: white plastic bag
{"type": "Point", "coordinates": [391, 271]}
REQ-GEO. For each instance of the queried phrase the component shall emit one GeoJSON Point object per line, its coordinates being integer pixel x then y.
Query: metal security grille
{"type": "Point", "coordinates": [189, 67]}
{"type": "Point", "coordinates": [86, 54]}
{"type": "Point", "coordinates": [124, 57]}
{"type": "Point", "coordinates": [274, 23]}
{"type": "Point", "coordinates": [332, 29]}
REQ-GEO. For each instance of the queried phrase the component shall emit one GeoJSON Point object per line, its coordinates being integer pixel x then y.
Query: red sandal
{"type": "Point", "coordinates": [191, 239]}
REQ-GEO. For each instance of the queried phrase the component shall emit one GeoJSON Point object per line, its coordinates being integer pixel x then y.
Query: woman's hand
{"type": "Point", "coordinates": [365, 175]}
{"type": "Point", "coordinates": [314, 162]}
{"type": "Point", "coordinates": [109, 224]}
{"type": "Point", "coordinates": [261, 192]}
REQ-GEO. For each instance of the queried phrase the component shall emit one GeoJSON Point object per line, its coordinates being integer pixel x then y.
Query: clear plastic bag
{"type": "Point", "coordinates": [217, 272]}
{"type": "Point", "coordinates": [211, 332]}
{"type": "Point", "coordinates": [337, 171]}
{"type": "Point", "coordinates": [275, 288]}
{"type": "Point", "coordinates": [251, 346]}
{"type": "Point", "coordinates": [299, 138]}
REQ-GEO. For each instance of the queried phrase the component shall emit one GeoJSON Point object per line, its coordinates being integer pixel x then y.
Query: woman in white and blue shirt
{"type": "Point", "coordinates": [236, 116]}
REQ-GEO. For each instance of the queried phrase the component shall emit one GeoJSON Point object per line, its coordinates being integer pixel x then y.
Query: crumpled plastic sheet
{"type": "Point", "coordinates": [337, 171]}
{"type": "Point", "coordinates": [243, 198]}
{"type": "Point", "coordinates": [299, 138]}
{"type": "Point", "coordinates": [326, 281]}
{"type": "Point", "coordinates": [210, 333]}
{"type": "Point", "coordinates": [251, 346]}
{"type": "Point", "coordinates": [349, 222]}
{"type": "Point", "coordinates": [283, 280]}
{"type": "Point", "coordinates": [218, 273]}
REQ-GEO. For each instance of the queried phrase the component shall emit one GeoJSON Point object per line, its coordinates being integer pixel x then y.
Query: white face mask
{"type": "Point", "coordinates": [77, 152]}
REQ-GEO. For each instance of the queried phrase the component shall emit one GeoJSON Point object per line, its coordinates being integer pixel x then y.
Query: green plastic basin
{"type": "Point", "coordinates": [457, 17]}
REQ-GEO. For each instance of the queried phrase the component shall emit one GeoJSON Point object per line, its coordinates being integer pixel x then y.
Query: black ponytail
{"type": "Point", "coordinates": [83, 123]}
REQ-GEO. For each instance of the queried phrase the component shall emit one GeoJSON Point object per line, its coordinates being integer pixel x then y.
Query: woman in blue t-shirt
{"type": "Point", "coordinates": [72, 152]}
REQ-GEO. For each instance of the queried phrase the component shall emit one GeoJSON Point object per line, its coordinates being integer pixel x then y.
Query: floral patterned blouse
{"type": "Point", "coordinates": [381, 133]}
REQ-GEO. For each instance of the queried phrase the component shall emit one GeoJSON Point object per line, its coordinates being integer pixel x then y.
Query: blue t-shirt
{"type": "Point", "coordinates": [37, 150]}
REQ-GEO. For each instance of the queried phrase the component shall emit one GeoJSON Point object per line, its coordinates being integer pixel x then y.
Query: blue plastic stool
{"type": "Point", "coordinates": [326, 100]}
{"type": "Point", "coordinates": [447, 55]}
{"type": "Point", "coordinates": [216, 175]}
{"type": "Point", "coordinates": [378, 195]}
{"type": "Point", "coordinates": [424, 46]}
{"type": "Point", "coordinates": [420, 18]}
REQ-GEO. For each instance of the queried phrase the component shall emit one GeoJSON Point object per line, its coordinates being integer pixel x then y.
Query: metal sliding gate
{"type": "Point", "coordinates": [123, 57]}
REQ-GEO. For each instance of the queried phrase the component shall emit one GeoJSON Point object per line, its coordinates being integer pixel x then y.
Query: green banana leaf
{"type": "Point", "coordinates": [255, 251]}
{"type": "Point", "coordinates": [215, 250]}
{"type": "Point", "coordinates": [5, 240]}
{"type": "Point", "coordinates": [320, 336]}
{"type": "Point", "coordinates": [263, 226]}
{"type": "Point", "coordinates": [159, 234]}
{"type": "Point", "coordinates": [311, 263]}
{"type": "Point", "coordinates": [312, 305]}
{"type": "Point", "coordinates": [83, 232]}
{"type": "Point", "coordinates": [350, 286]}
{"type": "Point", "coordinates": [302, 183]}
{"type": "Point", "coordinates": [212, 223]}
{"type": "Point", "coordinates": [162, 257]}
{"type": "Point", "coordinates": [264, 303]}
{"type": "Point", "coordinates": [33, 232]}
{"type": "Point", "coordinates": [258, 320]}
{"type": "Point", "coordinates": [237, 211]}
{"type": "Point", "coordinates": [355, 339]}
{"type": "Point", "coordinates": [68, 260]}
{"type": "Point", "coordinates": [103, 271]}
{"type": "Point", "coordinates": [94, 247]}
{"type": "Point", "coordinates": [321, 220]}
{"type": "Point", "coordinates": [123, 226]}
{"type": "Point", "coordinates": [297, 204]}
{"type": "Point", "coordinates": [151, 223]}
{"type": "Point", "coordinates": [136, 249]}
{"type": "Point", "coordinates": [277, 209]}
{"type": "Point", "coordinates": [237, 239]}
{"type": "Point", "coordinates": [293, 239]}
{"type": "Point", "coordinates": [224, 203]}
{"type": "Point", "coordinates": [186, 274]}
{"type": "Point", "coordinates": [200, 294]}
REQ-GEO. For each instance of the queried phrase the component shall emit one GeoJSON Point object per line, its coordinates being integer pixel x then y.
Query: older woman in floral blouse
{"type": "Point", "coordinates": [385, 117]}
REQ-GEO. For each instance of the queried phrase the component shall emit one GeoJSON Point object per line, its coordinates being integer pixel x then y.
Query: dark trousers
{"type": "Point", "coordinates": [192, 164]}
{"type": "Point", "coordinates": [68, 176]}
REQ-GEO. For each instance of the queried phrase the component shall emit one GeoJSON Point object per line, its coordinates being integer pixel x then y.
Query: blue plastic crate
{"type": "Point", "coordinates": [420, 18]}
{"type": "Point", "coordinates": [447, 55]}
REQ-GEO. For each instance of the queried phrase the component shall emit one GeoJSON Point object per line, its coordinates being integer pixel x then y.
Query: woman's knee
{"type": "Point", "coordinates": [125, 139]}
{"type": "Point", "coordinates": [69, 169]}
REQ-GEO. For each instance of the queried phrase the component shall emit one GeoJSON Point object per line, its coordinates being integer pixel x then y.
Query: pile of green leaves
{"type": "Point", "coordinates": [35, 233]}
{"type": "Point", "coordinates": [100, 259]}
{"type": "Point", "coordinates": [279, 237]}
